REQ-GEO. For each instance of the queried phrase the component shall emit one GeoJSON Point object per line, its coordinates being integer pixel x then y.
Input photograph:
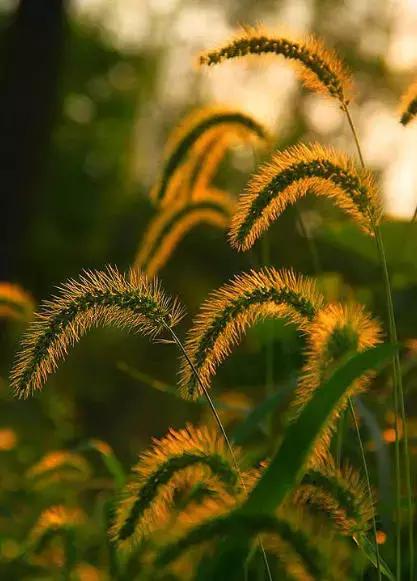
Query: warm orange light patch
{"type": "Point", "coordinates": [8, 439]}
{"type": "Point", "coordinates": [381, 537]}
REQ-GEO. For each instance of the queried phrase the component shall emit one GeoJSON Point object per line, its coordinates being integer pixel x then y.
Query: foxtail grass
{"type": "Point", "coordinates": [227, 312]}
{"type": "Point", "coordinates": [97, 298]}
{"type": "Point", "coordinates": [15, 303]}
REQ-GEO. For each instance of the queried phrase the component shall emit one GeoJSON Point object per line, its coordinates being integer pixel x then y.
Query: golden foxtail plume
{"type": "Point", "coordinates": [341, 494]}
{"type": "Point", "coordinates": [319, 68]}
{"type": "Point", "coordinates": [408, 106]}
{"type": "Point", "coordinates": [97, 298]}
{"type": "Point", "coordinates": [15, 303]}
{"type": "Point", "coordinates": [215, 518]}
{"type": "Point", "coordinates": [227, 312]}
{"type": "Point", "coordinates": [337, 331]}
{"type": "Point", "coordinates": [54, 520]}
{"type": "Point", "coordinates": [171, 224]}
{"type": "Point", "coordinates": [194, 136]}
{"type": "Point", "coordinates": [59, 466]}
{"type": "Point", "coordinates": [292, 174]}
{"type": "Point", "coordinates": [200, 452]}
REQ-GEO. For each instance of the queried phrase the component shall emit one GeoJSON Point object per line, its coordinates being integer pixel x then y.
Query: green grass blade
{"type": "Point", "coordinates": [286, 467]}
{"type": "Point", "coordinates": [248, 426]}
{"type": "Point", "coordinates": [368, 548]}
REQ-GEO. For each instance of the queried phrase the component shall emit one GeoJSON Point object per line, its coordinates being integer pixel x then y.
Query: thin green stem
{"type": "Point", "coordinates": [221, 428]}
{"type": "Point", "coordinates": [399, 404]}
{"type": "Point", "coordinates": [310, 241]}
{"type": "Point", "coordinates": [368, 483]}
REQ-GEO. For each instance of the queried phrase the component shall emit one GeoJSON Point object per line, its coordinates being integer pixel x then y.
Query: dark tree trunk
{"type": "Point", "coordinates": [31, 56]}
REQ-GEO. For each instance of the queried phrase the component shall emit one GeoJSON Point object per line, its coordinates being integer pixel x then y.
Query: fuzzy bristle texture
{"type": "Point", "coordinates": [238, 525]}
{"type": "Point", "coordinates": [52, 521]}
{"type": "Point", "coordinates": [96, 298]}
{"type": "Point", "coordinates": [184, 457]}
{"type": "Point", "coordinates": [15, 303]}
{"type": "Point", "coordinates": [337, 332]}
{"type": "Point", "coordinates": [193, 137]}
{"type": "Point", "coordinates": [59, 466]}
{"type": "Point", "coordinates": [295, 172]}
{"type": "Point", "coordinates": [408, 105]}
{"type": "Point", "coordinates": [229, 311]}
{"type": "Point", "coordinates": [170, 225]}
{"type": "Point", "coordinates": [319, 68]}
{"type": "Point", "coordinates": [339, 493]}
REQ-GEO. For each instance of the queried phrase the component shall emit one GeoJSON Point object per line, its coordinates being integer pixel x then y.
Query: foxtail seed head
{"type": "Point", "coordinates": [293, 173]}
{"type": "Point", "coordinates": [59, 466]}
{"type": "Point", "coordinates": [171, 224]}
{"type": "Point", "coordinates": [191, 455]}
{"type": "Point", "coordinates": [52, 521]}
{"type": "Point", "coordinates": [193, 138]}
{"type": "Point", "coordinates": [337, 331]}
{"type": "Point", "coordinates": [319, 68]}
{"type": "Point", "coordinates": [97, 298]}
{"type": "Point", "coordinates": [408, 104]}
{"type": "Point", "coordinates": [229, 311]}
{"type": "Point", "coordinates": [340, 494]}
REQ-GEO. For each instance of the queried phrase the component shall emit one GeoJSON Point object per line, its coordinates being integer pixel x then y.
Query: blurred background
{"type": "Point", "coordinates": [89, 92]}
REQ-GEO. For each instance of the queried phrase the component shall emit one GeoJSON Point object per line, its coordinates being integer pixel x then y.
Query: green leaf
{"type": "Point", "coordinates": [109, 458]}
{"type": "Point", "coordinates": [368, 548]}
{"type": "Point", "coordinates": [287, 466]}
{"type": "Point", "coordinates": [244, 430]}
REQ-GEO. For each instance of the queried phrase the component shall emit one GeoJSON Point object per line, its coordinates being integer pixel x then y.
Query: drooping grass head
{"type": "Point", "coordinates": [197, 135]}
{"type": "Point", "coordinates": [293, 173]}
{"type": "Point", "coordinates": [180, 460]}
{"type": "Point", "coordinates": [171, 224]}
{"type": "Point", "coordinates": [319, 68]}
{"type": "Point", "coordinates": [229, 311]}
{"type": "Point", "coordinates": [97, 298]}
{"type": "Point", "coordinates": [338, 331]}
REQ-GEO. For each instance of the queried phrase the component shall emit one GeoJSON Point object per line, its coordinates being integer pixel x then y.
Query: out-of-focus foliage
{"type": "Point", "coordinates": [116, 108]}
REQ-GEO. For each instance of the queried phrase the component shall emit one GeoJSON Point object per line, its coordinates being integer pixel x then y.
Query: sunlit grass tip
{"type": "Point", "coordinates": [341, 494]}
{"type": "Point", "coordinates": [199, 452]}
{"type": "Point", "coordinates": [15, 303]}
{"type": "Point", "coordinates": [230, 310]}
{"type": "Point", "coordinates": [171, 224]}
{"type": "Point", "coordinates": [337, 332]}
{"type": "Point", "coordinates": [96, 298]}
{"type": "Point", "coordinates": [319, 67]}
{"type": "Point", "coordinates": [293, 173]}
{"type": "Point", "coordinates": [52, 521]}
{"type": "Point", "coordinates": [59, 466]}
{"type": "Point", "coordinates": [193, 136]}
{"type": "Point", "coordinates": [408, 104]}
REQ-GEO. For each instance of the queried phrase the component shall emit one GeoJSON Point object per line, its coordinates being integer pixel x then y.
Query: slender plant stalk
{"type": "Point", "coordinates": [221, 428]}
{"type": "Point", "coordinates": [368, 483]}
{"type": "Point", "coordinates": [310, 241]}
{"type": "Point", "coordinates": [399, 405]}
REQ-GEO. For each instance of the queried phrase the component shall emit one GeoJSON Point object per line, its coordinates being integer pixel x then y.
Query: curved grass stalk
{"type": "Point", "coordinates": [97, 298]}
{"type": "Point", "coordinates": [170, 225]}
{"type": "Point", "coordinates": [194, 134]}
{"type": "Point", "coordinates": [59, 466]}
{"type": "Point", "coordinates": [399, 403]}
{"type": "Point", "coordinates": [227, 312]}
{"type": "Point", "coordinates": [339, 493]}
{"type": "Point", "coordinates": [293, 173]}
{"type": "Point", "coordinates": [157, 472]}
{"type": "Point", "coordinates": [237, 525]}
{"type": "Point", "coordinates": [408, 105]}
{"type": "Point", "coordinates": [319, 68]}
{"type": "Point", "coordinates": [15, 303]}
{"type": "Point", "coordinates": [337, 331]}
{"type": "Point", "coordinates": [216, 416]}
{"type": "Point", "coordinates": [58, 520]}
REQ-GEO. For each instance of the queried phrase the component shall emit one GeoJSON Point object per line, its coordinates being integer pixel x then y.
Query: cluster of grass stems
{"type": "Point", "coordinates": [193, 507]}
